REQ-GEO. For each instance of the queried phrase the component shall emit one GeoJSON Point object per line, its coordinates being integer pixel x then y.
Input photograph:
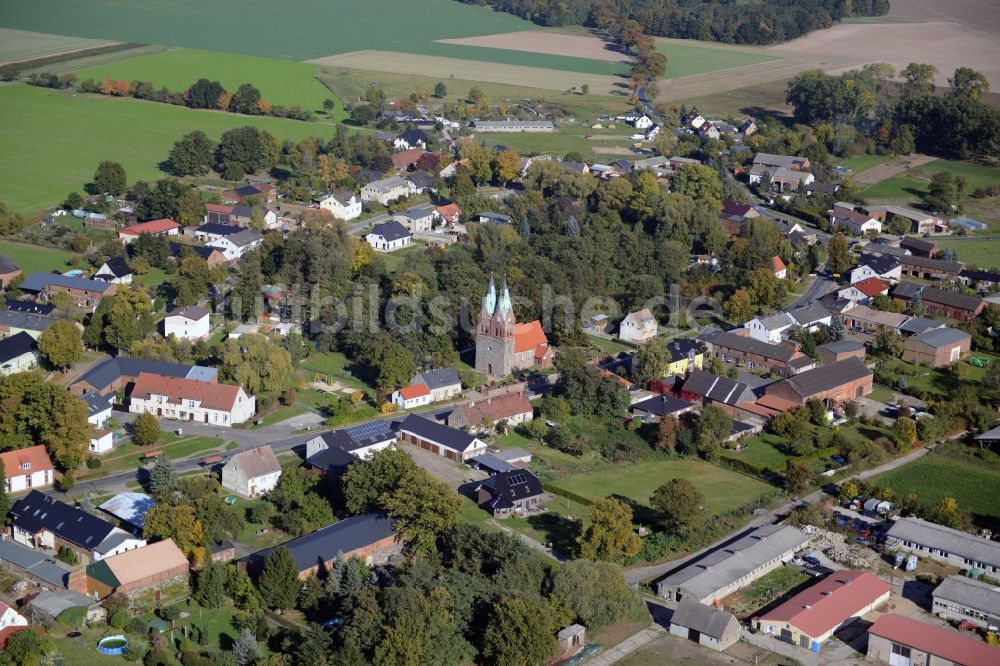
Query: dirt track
{"type": "Point", "coordinates": [881, 172]}
{"type": "Point", "coordinates": [549, 43]}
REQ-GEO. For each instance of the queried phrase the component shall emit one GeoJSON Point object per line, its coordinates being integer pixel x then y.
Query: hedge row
{"type": "Point", "coordinates": [568, 494]}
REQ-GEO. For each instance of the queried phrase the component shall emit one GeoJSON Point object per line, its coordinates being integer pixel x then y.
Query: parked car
{"type": "Point", "coordinates": [810, 560]}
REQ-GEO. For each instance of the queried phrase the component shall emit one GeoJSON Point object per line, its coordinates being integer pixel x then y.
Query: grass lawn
{"type": "Point", "coordinates": [882, 394]}
{"type": "Point", "coordinates": [137, 134]}
{"type": "Point", "coordinates": [35, 259]}
{"type": "Point", "coordinates": [911, 184]}
{"type": "Point", "coordinates": [331, 365]}
{"type": "Point", "coordinates": [189, 447]}
{"type": "Point", "coordinates": [723, 489]}
{"type": "Point", "coordinates": [763, 449]}
{"type": "Point", "coordinates": [862, 162]}
{"type": "Point", "coordinates": [934, 476]}
{"type": "Point", "coordinates": [688, 57]}
{"type": "Point", "coordinates": [983, 253]}
{"type": "Point", "coordinates": [283, 413]}
{"type": "Point", "coordinates": [559, 526]}
{"type": "Point", "coordinates": [279, 81]}
{"type": "Point", "coordinates": [154, 278]}
{"type": "Point", "coordinates": [393, 260]}
{"type": "Point", "coordinates": [609, 346]}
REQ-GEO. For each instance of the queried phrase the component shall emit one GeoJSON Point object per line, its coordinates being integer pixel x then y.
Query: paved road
{"type": "Point", "coordinates": [642, 574]}
{"type": "Point", "coordinates": [819, 286]}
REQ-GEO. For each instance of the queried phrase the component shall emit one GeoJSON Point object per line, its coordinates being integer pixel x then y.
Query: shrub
{"type": "Point", "coordinates": [93, 462]}
{"type": "Point", "coordinates": [120, 620]}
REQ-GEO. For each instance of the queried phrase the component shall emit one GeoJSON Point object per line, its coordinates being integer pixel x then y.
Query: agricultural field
{"type": "Point", "coordinates": [933, 477]}
{"type": "Point", "coordinates": [35, 259]}
{"type": "Point", "coordinates": [911, 184]}
{"type": "Point", "coordinates": [764, 99]}
{"type": "Point", "coordinates": [279, 81]}
{"type": "Point", "coordinates": [18, 45]}
{"type": "Point", "coordinates": [982, 253]}
{"type": "Point", "coordinates": [859, 163]}
{"type": "Point", "coordinates": [137, 134]}
{"type": "Point", "coordinates": [689, 58]}
{"type": "Point", "coordinates": [723, 489]}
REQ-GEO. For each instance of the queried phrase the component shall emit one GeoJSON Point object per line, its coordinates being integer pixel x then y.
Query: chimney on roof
{"type": "Point", "coordinates": [807, 606]}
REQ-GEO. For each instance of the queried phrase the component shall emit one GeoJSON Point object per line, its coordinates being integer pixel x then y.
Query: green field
{"type": "Point", "coordinates": [686, 59]}
{"type": "Point", "coordinates": [34, 259]}
{"type": "Point", "coordinates": [279, 81]}
{"type": "Point", "coordinates": [16, 45]}
{"type": "Point", "coordinates": [723, 489]}
{"type": "Point", "coordinates": [763, 450]}
{"type": "Point", "coordinates": [862, 162]}
{"type": "Point", "coordinates": [933, 477]}
{"type": "Point", "coordinates": [61, 137]}
{"type": "Point", "coordinates": [982, 253]}
{"type": "Point", "coordinates": [912, 184]}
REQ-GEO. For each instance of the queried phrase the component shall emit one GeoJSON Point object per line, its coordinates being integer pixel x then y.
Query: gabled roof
{"type": "Point", "coordinates": [971, 593]}
{"type": "Point", "coordinates": [718, 389]}
{"type": "Point", "coordinates": [412, 136]}
{"type": "Point", "coordinates": [218, 229]}
{"type": "Point", "coordinates": [828, 377]}
{"type": "Point", "coordinates": [16, 346]}
{"type": "Point", "coordinates": [333, 460]}
{"type": "Point", "coordinates": [34, 456]}
{"type": "Point", "coordinates": [243, 238]}
{"type": "Point", "coordinates": [777, 265]}
{"type": "Point", "coordinates": [842, 346]}
{"type": "Point", "coordinates": [255, 462]}
{"type": "Point", "coordinates": [449, 211]}
{"type": "Point", "coordinates": [506, 488]}
{"type": "Point", "coordinates": [38, 282]}
{"type": "Point", "coordinates": [749, 345]}
{"type": "Point", "coordinates": [37, 512]}
{"type": "Point", "coordinates": [776, 322]}
{"type": "Point", "coordinates": [880, 263]}
{"type": "Point", "coordinates": [136, 565]}
{"type": "Point", "coordinates": [496, 409]}
{"type": "Point", "coordinates": [192, 312]}
{"type": "Point", "coordinates": [414, 391]}
{"type": "Point", "coordinates": [662, 405]}
{"type": "Point", "coordinates": [948, 644]}
{"type": "Point", "coordinates": [907, 290]}
{"type": "Point", "coordinates": [332, 541]}
{"type": "Point", "coordinates": [7, 265]}
{"type": "Point", "coordinates": [950, 298]}
{"type": "Point", "coordinates": [680, 348]}
{"type": "Point", "coordinates": [956, 542]}
{"type": "Point", "coordinates": [360, 436]}
{"type": "Point", "coordinates": [933, 265]}
{"type": "Point", "coordinates": [160, 226]}
{"type": "Point", "coordinates": [176, 249]}
{"type": "Point", "coordinates": [918, 244]}
{"type": "Point", "coordinates": [442, 435]}
{"type": "Point", "coordinates": [808, 315]}
{"type": "Point", "coordinates": [29, 307]}
{"type": "Point", "coordinates": [96, 403]}
{"type": "Point", "coordinates": [529, 335]}
{"type": "Point", "coordinates": [211, 395]}
{"type": "Point", "coordinates": [390, 231]}
{"type": "Point", "coordinates": [706, 620]}
{"type": "Point", "coordinates": [872, 287]}
{"type": "Point", "coordinates": [920, 325]}
{"type": "Point", "coordinates": [830, 602]}
{"type": "Point", "coordinates": [421, 179]}
{"type": "Point", "coordinates": [104, 374]}
{"type": "Point", "coordinates": [438, 378]}
{"type": "Point", "coordinates": [117, 267]}
{"type": "Point", "coordinates": [939, 337]}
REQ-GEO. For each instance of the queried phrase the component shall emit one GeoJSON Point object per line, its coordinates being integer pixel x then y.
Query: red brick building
{"type": "Point", "coordinates": [832, 384]}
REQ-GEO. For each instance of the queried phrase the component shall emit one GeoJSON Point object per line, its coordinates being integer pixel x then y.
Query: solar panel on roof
{"type": "Point", "coordinates": [374, 430]}
{"type": "Point", "coordinates": [516, 479]}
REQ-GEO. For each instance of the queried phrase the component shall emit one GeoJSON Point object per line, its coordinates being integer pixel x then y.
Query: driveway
{"type": "Point", "coordinates": [454, 474]}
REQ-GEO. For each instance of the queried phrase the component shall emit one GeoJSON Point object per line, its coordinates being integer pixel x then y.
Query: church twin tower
{"type": "Point", "coordinates": [495, 333]}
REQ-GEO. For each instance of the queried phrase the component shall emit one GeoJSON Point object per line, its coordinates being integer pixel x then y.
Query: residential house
{"type": "Point", "coordinates": [811, 617]}
{"type": "Point", "coordinates": [511, 408]}
{"type": "Point", "coordinates": [101, 441]}
{"type": "Point", "coordinates": [659, 165]}
{"type": "Point", "coordinates": [387, 190]}
{"type": "Point", "coordinates": [263, 192]}
{"type": "Point", "coordinates": [407, 159]}
{"type": "Point", "coordinates": [898, 640]}
{"type": "Point", "coordinates": [944, 544]}
{"type": "Point", "coordinates": [686, 354]}
{"type": "Point", "coordinates": [865, 290]}
{"type": "Point", "coordinates": [705, 625]}
{"type": "Point", "coordinates": [234, 246]}
{"type": "Point", "coordinates": [964, 599]}
{"type": "Point", "coordinates": [919, 247]}
{"type": "Point", "coordinates": [709, 130]}
{"type": "Point", "coordinates": [510, 125]}
{"type": "Point", "coordinates": [136, 571]}
{"type": "Point", "coordinates": [118, 373]}
{"type": "Point", "coordinates": [18, 353]}
{"type": "Point", "coordinates": [28, 468]}
{"type": "Point", "coordinates": [854, 219]}
{"type": "Point", "coordinates": [342, 205]}
{"type": "Point", "coordinates": [212, 231]}
{"type": "Point", "coordinates": [191, 322]}
{"type": "Point", "coordinates": [882, 266]}
{"type": "Point", "coordinates": [8, 271]}
{"type": "Point", "coordinates": [739, 209]}
{"type": "Point", "coordinates": [115, 270]}
{"type": "Point", "coordinates": [951, 304]}
{"type": "Point", "coordinates": [793, 163]}
{"type": "Point", "coordinates": [129, 508]}
{"type": "Point", "coordinates": [449, 213]}
{"type": "Point", "coordinates": [418, 218]}
{"type": "Point", "coordinates": [832, 384]}
{"type": "Point", "coordinates": [10, 623]}
{"type": "Point", "coordinates": [771, 329]}
{"type": "Point", "coordinates": [832, 352]}
{"type": "Point", "coordinates": [868, 320]}
{"type": "Point", "coordinates": [334, 451]}
{"type": "Point", "coordinates": [239, 215]}
{"type": "Point", "coordinates": [783, 360]}
{"type": "Point", "coordinates": [638, 327]}
{"type": "Point", "coordinates": [411, 397]}
{"type": "Point", "coordinates": [922, 267]}
{"type": "Point", "coordinates": [252, 473]}
{"type": "Point", "coordinates": [371, 537]}
{"type": "Point", "coordinates": [85, 293]}
{"type": "Point", "coordinates": [40, 521]}
{"type": "Point", "coordinates": [693, 119]}
{"type": "Point", "coordinates": [161, 227]}
{"type": "Point", "coordinates": [411, 138]}
{"type": "Point", "coordinates": [515, 492]}
{"type": "Point", "coordinates": [443, 383]}
{"type": "Point", "coordinates": [822, 188]}
{"type": "Point", "coordinates": [778, 268]}
{"type": "Point", "coordinates": [440, 439]}
{"type": "Point", "coordinates": [810, 317]}
{"type": "Point", "coordinates": [210, 255]}
{"type": "Point", "coordinates": [937, 347]}
{"type": "Point", "coordinates": [726, 569]}
{"type": "Point", "coordinates": [654, 409]}
{"type": "Point", "coordinates": [422, 181]}
{"type": "Point", "coordinates": [98, 408]}
{"type": "Point", "coordinates": [637, 119]}
{"type": "Point", "coordinates": [17, 321]}
{"type": "Point", "coordinates": [190, 400]}
{"type": "Point", "coordinates": [389, 236]}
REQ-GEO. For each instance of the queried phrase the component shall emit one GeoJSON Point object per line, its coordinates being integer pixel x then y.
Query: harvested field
{"type": "Point", "coordinates": [671, 91]}
{"type": "Point", "coordinates": [19, 45]}
{"type": "Point", "coordinates": [446, 68]}
{"type": "Point", "coordinates": [613, 150]}
{"type": "Point", "coordinates": [552, 43]}
{"type": "Point", "coordinates": [979, 14]}
{"type": "Point", "coordinates": [880, 172]}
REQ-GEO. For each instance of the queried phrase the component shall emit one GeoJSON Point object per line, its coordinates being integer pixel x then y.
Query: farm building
{"type": "Point", "coordinates": [360, 440]}
{"type": "Point", "coordinates": [809, 618]}
{"type": "Point", "coordinates": [161, 227]}
{"type": "Point", "coordinates": [832, 384]}
{"type": "Point", "coordinates": [964, 599]}
{"type": "Point", "coordinates": [951, 304]}
{"type": "Point", "coordinates": [129, 507]}
{"type": "Point", "coordinates": [937, 347]}
{"type": "Point", "coordinates": [440, 439]}
{"type": "Point", "coordinates": [832, 352]}
{"type": "Point", "coordinates": [117, 373]}
{"type": "Point", "coordinates": [512, 409]}
{"type": "Point", "coordinates": [733, 566]}
{"type": "Point", "coordinates": [85, 293]}
{"type": "Point", "coordinates": [137, 570]}
{"type": "Point", "coordinates": [900, 641]}
{"type": "Point", "coordinates": [512, 125]}
{"type": "Point", "coordinates": [706, 625]}
{"type": "Point", "coordinates": [944, 544]}
{"type": "Point", "coordinates": [783, 360]}
{"type": "Point", "coordinates": [924, 267]}
{"type": "Point", "coordinates": [370, 537]}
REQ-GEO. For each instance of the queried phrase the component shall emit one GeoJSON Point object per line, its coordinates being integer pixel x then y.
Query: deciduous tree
{"type": "Point", "coordinates": [521, 632]}
{"type": "Point", "coordinates": [423, 507]}
{"type": "Point", "coordinates": [596, 593]}
{"type": "Point", "coordinates": [178, 523]}
{"type": "Point", "coordinates": [367, 480]}
{"type": "Point", "coordinates": [192, 154]}
{"type": "Point", "coordinates": [256, 363]}
{"type": "Point", "coordinates": [110, 178]}
{"type": "Point", "coordinates": [609, 536]}
{"type": "Point", "coordinates": [679, 505]}
{"type": "Point", "coordinates": [61, 344]}
{"type": "Point", "coordinates": [146, 430]}
{"type": "Point", "coordinates": [246, 100]}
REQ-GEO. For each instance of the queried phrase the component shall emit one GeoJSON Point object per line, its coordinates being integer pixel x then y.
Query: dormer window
{"type": "Point", "coordinates": [26, 465]}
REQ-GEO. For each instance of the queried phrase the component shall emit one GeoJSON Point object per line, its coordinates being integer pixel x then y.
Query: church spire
{"type": "Point", "coordinates": [490, 300]}
{"type": "Point", "coordinates": [504, 307]}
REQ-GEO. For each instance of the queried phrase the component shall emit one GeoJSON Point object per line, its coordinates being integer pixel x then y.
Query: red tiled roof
{"type": "Point", "coordinates": [218, 208]}
{"type": "Point", "coordinates": [871, 287]}
{"type": "Point", "coordinates": [415, 391]}
{"type": "Point", "coordinates": [496, 409]}
{"type": "Point", "coordinates": [529, 336]}
{"type": "Point", "coordinates": [33, 455]}
{"type": "Point", "coordinates": [6, 633]}
{"type": "Point", "coordinates": [449, 212]}
{"type": "Point", "coordinates": [211, 396]}
{"type": "Point", "coordinates": [405, 158]}
{"type": "Point", "coordinates": [152, 227]}
{"type": "Point", "coordinates": [815, 612]}
{"type": "Point", "coordinates": [736, 207]}
{"type": "Point", "coordinates": [777, 264]}
{"type": "Point", "coordinates": [945, 643]}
